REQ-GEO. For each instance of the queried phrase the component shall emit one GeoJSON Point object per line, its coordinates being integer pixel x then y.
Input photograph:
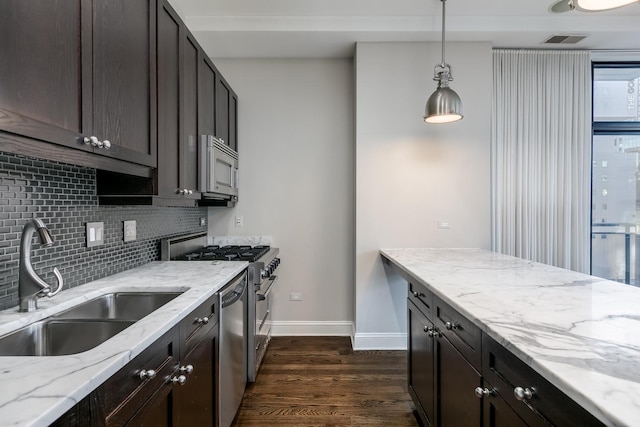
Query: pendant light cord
{"type": "Point", "coordinates": [444, 2]}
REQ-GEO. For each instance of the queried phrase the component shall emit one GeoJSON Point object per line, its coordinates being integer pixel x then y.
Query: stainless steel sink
{"type": "Point", "coordinates": [55, 337]}
{"type": "Point", "coordinates": [84, 326]}
{"type": "Point", "coordinates": [119, 305]}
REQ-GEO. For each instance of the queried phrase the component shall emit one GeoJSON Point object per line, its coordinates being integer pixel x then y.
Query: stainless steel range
{"type": "Point", "coordinates": [263, 262]}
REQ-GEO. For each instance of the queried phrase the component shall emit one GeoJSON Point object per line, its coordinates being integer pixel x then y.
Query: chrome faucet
{"type": "Point", "coordinates": [30, 285]}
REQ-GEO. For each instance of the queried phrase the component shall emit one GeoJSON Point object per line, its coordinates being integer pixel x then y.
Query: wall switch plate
{"type": "Point", "coordinates": [203, 222]}
{"type": "Point", "coordinates": [295, 297]}
{"type": "Point", "coordinates": [95, 234]}
{"type": "Point", "coordinates": [239, 221]}
{"type": "Point", "coordinates": [129, 231]}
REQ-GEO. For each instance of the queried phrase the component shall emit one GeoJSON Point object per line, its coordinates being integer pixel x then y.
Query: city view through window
{"type": "Point", "coordinates": [615, 197]}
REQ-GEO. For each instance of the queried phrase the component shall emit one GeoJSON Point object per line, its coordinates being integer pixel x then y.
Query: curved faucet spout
{"type": "Point", "coordinates": [30, 285]}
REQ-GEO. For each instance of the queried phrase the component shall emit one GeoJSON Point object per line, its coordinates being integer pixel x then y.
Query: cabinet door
{"type": "Point", "coordinates": [42, 71]}
{"type": "Point", "coordinates": [195, 404]}
{"type": "Point", "coordinates": [223, 95]}
{"type": "Point", "coordinates": [420, 364]}
{"type": "Point", "coordinates": [168, 173]}
{"type": "Point", "coordinates": [457, 380]}
{"type": "Point", "coordinates": [157, 411]}
{"type": "Point", "coordinates": [189, 140]}
{"type": "Point", "coordinates": [233, 121]}
{"type": "Point", "coordinates": [206, 96]}
{"type": "Point", "coordinates": [124, 95]}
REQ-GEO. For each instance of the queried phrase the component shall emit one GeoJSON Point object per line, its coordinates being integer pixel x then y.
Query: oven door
{"type": "Point", "coordinates": [263, 317]}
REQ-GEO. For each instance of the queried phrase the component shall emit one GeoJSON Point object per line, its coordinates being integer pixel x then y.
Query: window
{"type": "Point", "coordinates": [615, 183]}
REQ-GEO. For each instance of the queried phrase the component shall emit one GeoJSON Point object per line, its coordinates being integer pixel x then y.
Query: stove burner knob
{"type": "Point", "coordinates": [264, 274]}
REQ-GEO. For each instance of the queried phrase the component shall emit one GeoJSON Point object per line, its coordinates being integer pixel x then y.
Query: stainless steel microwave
{"type": "Point", "coordinates": [218, 178]}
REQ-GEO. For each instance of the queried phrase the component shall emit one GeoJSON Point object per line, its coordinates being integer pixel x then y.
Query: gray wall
{"type": "Point", "coordinates": [64, 197]}
{"type": "Point", "coordinates": [297, 183]}
{"type": "Point", "coordinates": [410, 175]}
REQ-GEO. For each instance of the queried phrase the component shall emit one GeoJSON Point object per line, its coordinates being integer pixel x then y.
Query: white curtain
{"type": "Point", "coordinates": [541, 156]}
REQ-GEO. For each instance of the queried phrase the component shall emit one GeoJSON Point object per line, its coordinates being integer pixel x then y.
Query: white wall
{"type": "Point", "coordinates": [297, 183]}
{"type": "Point", "coordinates": [410, 175]}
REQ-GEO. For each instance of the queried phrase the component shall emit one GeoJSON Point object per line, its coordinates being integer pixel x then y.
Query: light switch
{"type": "Point", "coordinates": [129, 231]}
{"type": "Point", "coordinates": [95, 234]}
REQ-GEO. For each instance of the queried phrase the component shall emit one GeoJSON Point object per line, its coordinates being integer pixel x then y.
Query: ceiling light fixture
{"type": "Point", "coordinates": [595, 5]}
{"type": "Point", "coordinates": [444, 105]}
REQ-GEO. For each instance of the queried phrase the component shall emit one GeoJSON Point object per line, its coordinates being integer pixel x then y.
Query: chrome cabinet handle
{"type": "Point", "coordinates": [202, 320]}
{"type": "Point", "coordinates": [186, 369]}
{"type": "Point", "coordinates": [147, 374]}
{"type": "Point", "coordinates": [484, 392]}
{"type": "Point", "coordinates": [452, 326]}
{"type": "Point", "coordinates": [180, 379]}
{"type": "Point", "coordinates": [524, 393]}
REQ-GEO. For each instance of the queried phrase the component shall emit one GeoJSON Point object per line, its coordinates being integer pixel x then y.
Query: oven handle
{"type": "Point", "coordinates": [262, 297]}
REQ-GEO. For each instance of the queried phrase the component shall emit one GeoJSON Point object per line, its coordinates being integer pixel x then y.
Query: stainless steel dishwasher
{"type": "Point", "coordinates": [232, 369]}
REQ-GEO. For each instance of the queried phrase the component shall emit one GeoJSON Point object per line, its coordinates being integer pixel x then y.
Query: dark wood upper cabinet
{"type": "Point", "coordinates": [190, 137]}
{"type": "Point", "coordinates": [79, 68]}
{"type": "Point", "coordinates": [124, 65]}
{"type": "Point", "coordinates": [207, 76]}
{"type": "Point", "coordinates": [43, 75]}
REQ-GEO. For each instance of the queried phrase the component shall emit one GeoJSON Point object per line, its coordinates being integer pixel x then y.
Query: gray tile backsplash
{"type": "Point", "coordinates": [64, 197]}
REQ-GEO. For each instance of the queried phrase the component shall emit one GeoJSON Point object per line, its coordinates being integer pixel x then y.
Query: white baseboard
{"type": "Point", "coordinates": [305, 328]}
{"type": "Point", "coordinates": [379, 341]}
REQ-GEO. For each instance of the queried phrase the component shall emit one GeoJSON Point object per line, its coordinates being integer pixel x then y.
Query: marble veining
{"type": "Point", "coordinates": [240, 240]}
{"type": "Point", "coordinates": [35, 391]}
{"type": "Point", "coordinates": [580, 332]}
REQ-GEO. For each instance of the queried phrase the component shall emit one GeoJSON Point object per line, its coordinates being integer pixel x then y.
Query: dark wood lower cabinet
{"type": "Point", "coordinates": [157, 411]}
{"type": "Point", "coordinates": [456, 383]}
{"type": "Point", "coordinates": [420, 365]}
{"type": "Point", "coordinates": [449, 360]}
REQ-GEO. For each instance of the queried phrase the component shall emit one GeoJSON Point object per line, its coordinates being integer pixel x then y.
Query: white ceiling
{"type": "Point", "coordinates": [330, 28]}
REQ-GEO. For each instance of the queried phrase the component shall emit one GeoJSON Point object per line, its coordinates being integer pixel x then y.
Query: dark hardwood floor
{"type": "Point", "coordinates": [320, 381]}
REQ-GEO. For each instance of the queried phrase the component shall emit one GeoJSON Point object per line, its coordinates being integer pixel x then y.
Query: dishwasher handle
{"type": "Point", "coordinates": [232, 296]}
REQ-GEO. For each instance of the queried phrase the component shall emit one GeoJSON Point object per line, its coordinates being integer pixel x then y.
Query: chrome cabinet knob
{"type": "Point", "coordinates": [106, 144]}
{"type": "Point", "coordinates": [427, 329]}
{"type": "Point", "coordinates": [417, 294]}
{"type": "Point", "coordinates": [451, 326]}
{"type": "Point", "coordinates": [186, 369]}
{"type": "Point", "coordinates": [190, 192]}
{"type": "Point", "coordinates": [180, 379]}
{"type": "Point", "coordinates": [483, 392]}
{"type": "Point", "coordinates": [433, 333]}
{"type": "Point", "coordinates": [202, 320]}
{"type": "Point", "coordinates": [524, 393]}
{"type": "Point", "coordinates": [147, 374]}
{"type": "Point", "coordinates": [92, 140]}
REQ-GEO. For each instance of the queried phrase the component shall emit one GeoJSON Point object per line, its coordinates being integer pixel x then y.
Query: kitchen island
{"type": "Point", "coordinates": [36, 390]}
{"type": "Point", "coordinates": [580, 333]}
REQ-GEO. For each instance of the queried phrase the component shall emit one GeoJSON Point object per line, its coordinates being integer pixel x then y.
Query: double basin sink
{"type": "Point", "coordinates": [83, 326]}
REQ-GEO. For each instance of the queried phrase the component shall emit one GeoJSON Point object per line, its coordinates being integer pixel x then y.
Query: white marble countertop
{"type": "Point", "coordinates": [35, 391]}
{"type": "Point", "coordinates": [580, 332]}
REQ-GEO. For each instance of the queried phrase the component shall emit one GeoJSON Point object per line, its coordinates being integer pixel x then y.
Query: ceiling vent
{"type": "Point", "coordinates": [564, 39]}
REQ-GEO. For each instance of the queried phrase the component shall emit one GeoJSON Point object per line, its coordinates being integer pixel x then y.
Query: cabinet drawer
{"type": "Point", "coordinates": [198, 323]}
{"type": "Point", "coordinates": [421, 297]}
{"type": "Point", "coordinates": [546, 406]}
{"type": "Point", "coordinates": [464, 335]}
{"type": "Point", "coordinates": [125, 392]}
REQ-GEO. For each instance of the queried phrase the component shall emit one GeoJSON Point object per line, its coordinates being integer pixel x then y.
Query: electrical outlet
{"type": "Point", "coordinates": [239, 221]}
{"type": "Point", "coordinates": [129, 231]}
{"type": "Point", "coordinates": [95, 234]}
{"type": "Point", "coordinates": [295, 297]}
{"type": "Point", "coordinates": [203, 222]}
{"type": "Point", "coordinates": [444, 225]}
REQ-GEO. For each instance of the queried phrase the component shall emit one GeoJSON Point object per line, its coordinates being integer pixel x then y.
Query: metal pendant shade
{"type": "Point", "coordinates": [444, 105]}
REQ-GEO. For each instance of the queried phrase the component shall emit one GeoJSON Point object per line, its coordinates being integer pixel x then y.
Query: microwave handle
{"type": "Point", "coordinates": [234, 178]}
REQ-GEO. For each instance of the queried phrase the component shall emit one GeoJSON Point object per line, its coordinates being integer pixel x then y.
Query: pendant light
{"type": "Point", "coordinates": [595, 5]}
{"type": "Point", "coordinates": [444, 105]}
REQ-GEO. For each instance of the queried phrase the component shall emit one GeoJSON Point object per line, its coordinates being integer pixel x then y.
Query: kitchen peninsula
{"type": "Point", "coordinates": [578, 334]}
